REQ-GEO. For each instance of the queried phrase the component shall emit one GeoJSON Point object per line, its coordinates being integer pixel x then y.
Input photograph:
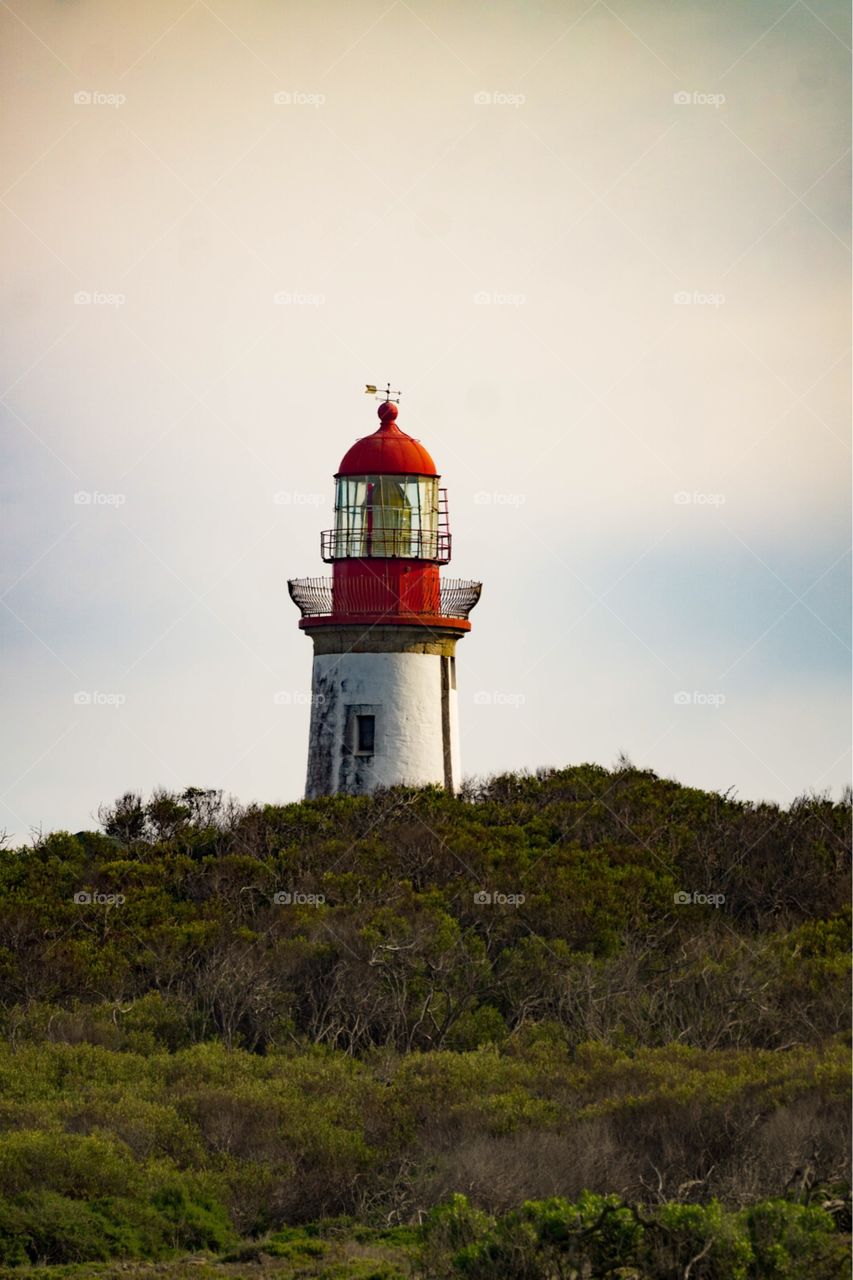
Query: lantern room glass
{"type": "Point", "coordinates": [384, 516]}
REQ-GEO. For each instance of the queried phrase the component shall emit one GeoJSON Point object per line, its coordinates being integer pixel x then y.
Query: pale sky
{"type": "Point", "coordinates": [603, 250]}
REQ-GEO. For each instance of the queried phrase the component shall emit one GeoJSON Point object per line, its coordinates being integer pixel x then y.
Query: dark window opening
{"type": "Point", "coordinates": [365, 734]}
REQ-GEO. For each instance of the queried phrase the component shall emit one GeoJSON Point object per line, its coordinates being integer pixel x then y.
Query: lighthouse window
{"type": "Point", "coordinates": [386, 515]}
{"type": "Point", "coordinates": [365, 734]}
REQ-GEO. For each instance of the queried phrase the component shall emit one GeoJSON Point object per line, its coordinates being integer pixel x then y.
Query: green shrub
{"type": "Point", "coordinates": [448, 1230]}
{"type": "Point", "coordinates": [68, 1198]}
{"type": "Point", "coordinates": [794, 1242]}
{"type": "Point", "coordinates": [706, 1233]}
{"type": "Point", "coordinates": [603, 1236]}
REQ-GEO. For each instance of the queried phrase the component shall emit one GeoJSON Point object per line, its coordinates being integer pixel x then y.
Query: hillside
{"type": "Point", "coordinates": [307, 1028]}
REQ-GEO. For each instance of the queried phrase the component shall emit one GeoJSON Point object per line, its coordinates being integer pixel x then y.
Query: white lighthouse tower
{"type": "Point", "coordinates": [385, 625]}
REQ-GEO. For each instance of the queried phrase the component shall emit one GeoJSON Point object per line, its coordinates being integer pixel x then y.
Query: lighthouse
{"type": "Point", "coordinates": [385, 624]}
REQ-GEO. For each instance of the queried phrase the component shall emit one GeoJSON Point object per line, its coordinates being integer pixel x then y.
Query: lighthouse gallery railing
{"type": "Point", "coordinates": [368, 596]}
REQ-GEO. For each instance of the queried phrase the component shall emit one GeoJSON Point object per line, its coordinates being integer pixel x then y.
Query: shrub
{"type": "Point", "coordinates": [794, 1242]}
{"type": "Point", "coordinates": [603, 1236]}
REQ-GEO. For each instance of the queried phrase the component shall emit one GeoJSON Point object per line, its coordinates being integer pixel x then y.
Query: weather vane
{"type": "Point", "coordinates": [386, 395]}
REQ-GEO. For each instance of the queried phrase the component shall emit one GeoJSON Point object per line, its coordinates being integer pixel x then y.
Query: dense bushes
{"type": "Point", "coordinates": [258, 1019]}
{"type": "Point", "coordinates": [388, 944]}
{"type": "Point", "coordinates": [69, 1198]}
{"type": "Point", "coordinates": [160, 1151]}
{"type": "Point", "coordinates": [602, 1235]}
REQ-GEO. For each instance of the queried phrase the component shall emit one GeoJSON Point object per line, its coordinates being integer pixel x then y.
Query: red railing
{"type": "Point", "coordinates": [367, 596]}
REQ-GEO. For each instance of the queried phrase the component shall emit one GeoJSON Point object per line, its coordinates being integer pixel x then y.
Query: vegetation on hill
{"type": "Point", "coordinates": [560, 1025]}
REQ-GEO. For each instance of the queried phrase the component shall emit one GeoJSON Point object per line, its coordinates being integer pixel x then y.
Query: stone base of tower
{"type": "Point", "coordinates": [383, 710]}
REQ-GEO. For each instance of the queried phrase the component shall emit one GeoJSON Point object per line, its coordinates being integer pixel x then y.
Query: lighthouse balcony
{"type": "Point", "coordinates": [409, 544]}
{"type": "Point", "coordinates": [366, 597]}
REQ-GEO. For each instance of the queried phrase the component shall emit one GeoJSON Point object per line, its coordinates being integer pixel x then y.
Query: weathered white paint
{"type": "Point", "coordinates": [403, 691]}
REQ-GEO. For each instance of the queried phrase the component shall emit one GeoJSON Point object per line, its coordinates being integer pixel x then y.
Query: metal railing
{"type": "Point", "coordinates": [368, 596]}
{"type": "Point", "coordinates": [414, 544]}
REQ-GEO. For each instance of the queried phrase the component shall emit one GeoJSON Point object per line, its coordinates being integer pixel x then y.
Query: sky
{"type": "Point", "coordinates": [601, 247]}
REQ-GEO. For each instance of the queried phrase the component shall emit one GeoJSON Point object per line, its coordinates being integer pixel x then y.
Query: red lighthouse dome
{"type": "Point", "coordinates": [388, 451]}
